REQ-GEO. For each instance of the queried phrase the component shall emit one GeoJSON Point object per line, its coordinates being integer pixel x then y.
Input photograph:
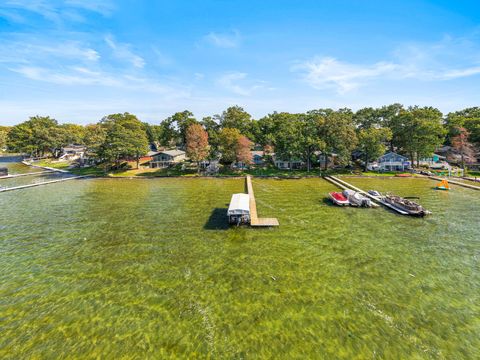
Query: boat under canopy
{"type": "Point", "coordinates": [239, 209]}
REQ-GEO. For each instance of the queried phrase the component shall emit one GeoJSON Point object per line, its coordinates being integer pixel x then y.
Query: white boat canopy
{"type": "Point", "coordinates": [239, 205]}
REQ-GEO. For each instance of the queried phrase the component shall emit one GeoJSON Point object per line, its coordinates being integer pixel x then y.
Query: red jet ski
{"type": "Point", "coordinates": [339, 199]}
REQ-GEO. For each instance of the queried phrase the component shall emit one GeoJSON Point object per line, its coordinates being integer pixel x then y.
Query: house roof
{"type": "Point", "coordinates": [74, 147]}
{"type": "Point", "coordinates": [393, 154]}
{"type": "Point", "coordinates": [239, 202]}
{"type": "Point", "coordinates": [172, 153]}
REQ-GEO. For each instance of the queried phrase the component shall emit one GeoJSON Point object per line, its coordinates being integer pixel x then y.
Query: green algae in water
{"type": "Point", "coordinates": [149, 269]}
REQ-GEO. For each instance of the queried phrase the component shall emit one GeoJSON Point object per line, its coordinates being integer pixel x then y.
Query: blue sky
{"type": "Point", "coordinates": [78, 60]}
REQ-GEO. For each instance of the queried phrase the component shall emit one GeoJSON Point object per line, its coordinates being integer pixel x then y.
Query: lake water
{"type": "Point", "coordinates": [147, 268]}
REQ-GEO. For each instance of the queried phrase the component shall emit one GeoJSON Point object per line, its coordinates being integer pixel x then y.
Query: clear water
{"type": "Point", "coordinates": [148, 269]}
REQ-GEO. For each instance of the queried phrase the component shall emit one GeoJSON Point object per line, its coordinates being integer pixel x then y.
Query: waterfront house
{"type": "Point", "coordinates": [293, 164]}
{"type": "Point", "coordinates": [73, 152]}
{"type": "Point", "coordinates": [257, 159]}
{"type": "Point", "coordinates": [167, 158]}
{"type": "Point", "coordinates": [393, 162]}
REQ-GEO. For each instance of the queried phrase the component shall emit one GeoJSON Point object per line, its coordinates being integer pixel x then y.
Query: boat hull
{"type": "Point", "coordinates": [339, 199]}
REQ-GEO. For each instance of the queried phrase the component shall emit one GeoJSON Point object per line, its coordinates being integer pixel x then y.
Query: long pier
{"type": "Point", "coordinates": [255, 221]}
{"type": "Point", "coordinates": [41, 183]}
{"type": "Point", "coordinates": [377, 199]}
{"type": "Point", "coordinates": [26, 174]}
{"type": "Point", "coordinates": [456, 183]}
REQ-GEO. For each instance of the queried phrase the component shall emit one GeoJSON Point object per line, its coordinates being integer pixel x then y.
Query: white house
{"type": "Point", "coordinates": [393, 162]}
{"type": "Point", "coordinates": [73, 152]}
{"type": "Point", "coordinates": [167, 158]}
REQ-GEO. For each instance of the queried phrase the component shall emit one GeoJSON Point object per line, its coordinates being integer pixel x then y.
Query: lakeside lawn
{"type": "Point", "coordinates": [177, 171]}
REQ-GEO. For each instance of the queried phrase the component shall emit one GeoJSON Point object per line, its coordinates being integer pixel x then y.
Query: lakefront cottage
{"type": "Point", "coordinates": [167, 158]}
{"type": "Point", "coordinates": [393, 162]}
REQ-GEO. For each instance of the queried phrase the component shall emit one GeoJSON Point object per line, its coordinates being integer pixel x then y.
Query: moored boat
{"type": "Point", "coordinates": [374, 193]}
{"type": "Point", "coordinates": [357, 199]}
{"type": "Point", "coordinates": [408, 206]}
{"type": "Point", "coordinates": [338, 198]}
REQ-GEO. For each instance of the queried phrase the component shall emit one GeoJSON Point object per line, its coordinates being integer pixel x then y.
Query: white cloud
{"type": "Point", "coordinates": [237, 83]}
{"type": "Point", "coordinates": [447, 59]}
{"type": "Point", "coordinates": [123, 52]}
{"type": "Point", "coordinates": [223, 40]}
{"type": "Point", "coordinates": [55, 11]}
{"type": "Point", "coordinates": [103, 7]}
{"type": "Point", "coordinates": [230, 82]}
{"type": "Point", "coordinates": [20, 50]}
{"type": "Point", "coordinates": [328, 72]}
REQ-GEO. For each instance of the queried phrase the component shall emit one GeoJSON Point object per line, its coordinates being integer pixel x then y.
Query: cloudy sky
{"type": "Point", "coordinates": [78, 60]}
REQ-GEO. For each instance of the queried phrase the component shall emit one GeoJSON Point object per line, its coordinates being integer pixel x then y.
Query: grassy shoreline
{"type": "Point", "coordinates": [147, 173]}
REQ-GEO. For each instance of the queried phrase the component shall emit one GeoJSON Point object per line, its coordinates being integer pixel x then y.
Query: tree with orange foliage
{"type": "Point", "coordinates": [242, 150]}
{"type": "Point", "coordinates": [461, 144]}
{"type": "Point", "coordinates": [197, 143]}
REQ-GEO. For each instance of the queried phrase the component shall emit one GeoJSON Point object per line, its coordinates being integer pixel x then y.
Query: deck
{"type": "Point", "coordinates": [255, 221]}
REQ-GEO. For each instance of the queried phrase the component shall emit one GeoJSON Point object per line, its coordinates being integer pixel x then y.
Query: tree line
{"type": "Point", "coordinates": [413, 131]}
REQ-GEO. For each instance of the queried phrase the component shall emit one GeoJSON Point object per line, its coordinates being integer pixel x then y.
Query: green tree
{"type": "Point", "coordinates": [418, 131]}
{"type": "Point", "coordinates": [154, 132]}
{"type": "Point", "coordinates": [183, 120]}
{"type": "Point", "coordinates": [388, 116]}
{"type": "Point", "coordinates": [285, 131]}
{"type": "Point", "coordinates": [168, 133]}
{"type": "Point", "coordinates": [37, 136]}
{"type": "Point", "coordinates": [235, 117]}
{"type": "Point", "coordinates": [4, 130]}
{"type": "Point", "coordinates": [338, 133]}
{"type": "Point", "coordinates": [228, 140]}
{"type": "Point", "coordinates": [94, 138]}
{"type": "Point", "coordinates": [372, 142]}
{"type": "Point", "coordinates": [367, 118]}
{"type": "Point", "coordinates": [467, 118]}
{"type": "Point", "coordinates": [213, 129]}
{"type": "Point", "coordinates": [310, 139]}
{"type": "Point", "coordinates": [72, 133]}
{"type": "Point", "coordinates": [125, 138]}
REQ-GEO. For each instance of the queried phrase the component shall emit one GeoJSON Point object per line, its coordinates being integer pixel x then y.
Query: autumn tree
{"type": "Point", "coordinates": [197, 143]}
{"type": "Point", "coordinates": [460, 142]}
{"type": "Point", "coordinates": [242, 150]}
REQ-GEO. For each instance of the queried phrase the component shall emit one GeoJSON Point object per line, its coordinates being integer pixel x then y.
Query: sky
{"type": "Point", "coordinates": [79, 60]}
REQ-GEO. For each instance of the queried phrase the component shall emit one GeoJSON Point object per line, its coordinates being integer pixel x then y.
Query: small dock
{"type": "Point", "coordinates": [41, 183]}
{"type": "Point", "coordinates": [344, 185]}
{"type": "Point", "coordinates": [255, 221]}
{"type": "Point", "coordinates": [26, 174]}
{"type": "Point", "coordinates": [473, 187]}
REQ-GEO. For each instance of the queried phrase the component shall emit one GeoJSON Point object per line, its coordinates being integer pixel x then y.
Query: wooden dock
{"type": "Point", "coordinates": [343, 184]}
{"type": "Point", "coordinates": [42, 183]}
{"type": "Point", "coordinates": [456, 183]}
{"type": "Point", "coordinates": [255, 221]}
{"type": "Point", "coordinates": [26, 174]}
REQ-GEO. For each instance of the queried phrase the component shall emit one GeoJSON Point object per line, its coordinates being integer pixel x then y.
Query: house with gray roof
{"type": "Point", "coordinates": [163, 159]}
